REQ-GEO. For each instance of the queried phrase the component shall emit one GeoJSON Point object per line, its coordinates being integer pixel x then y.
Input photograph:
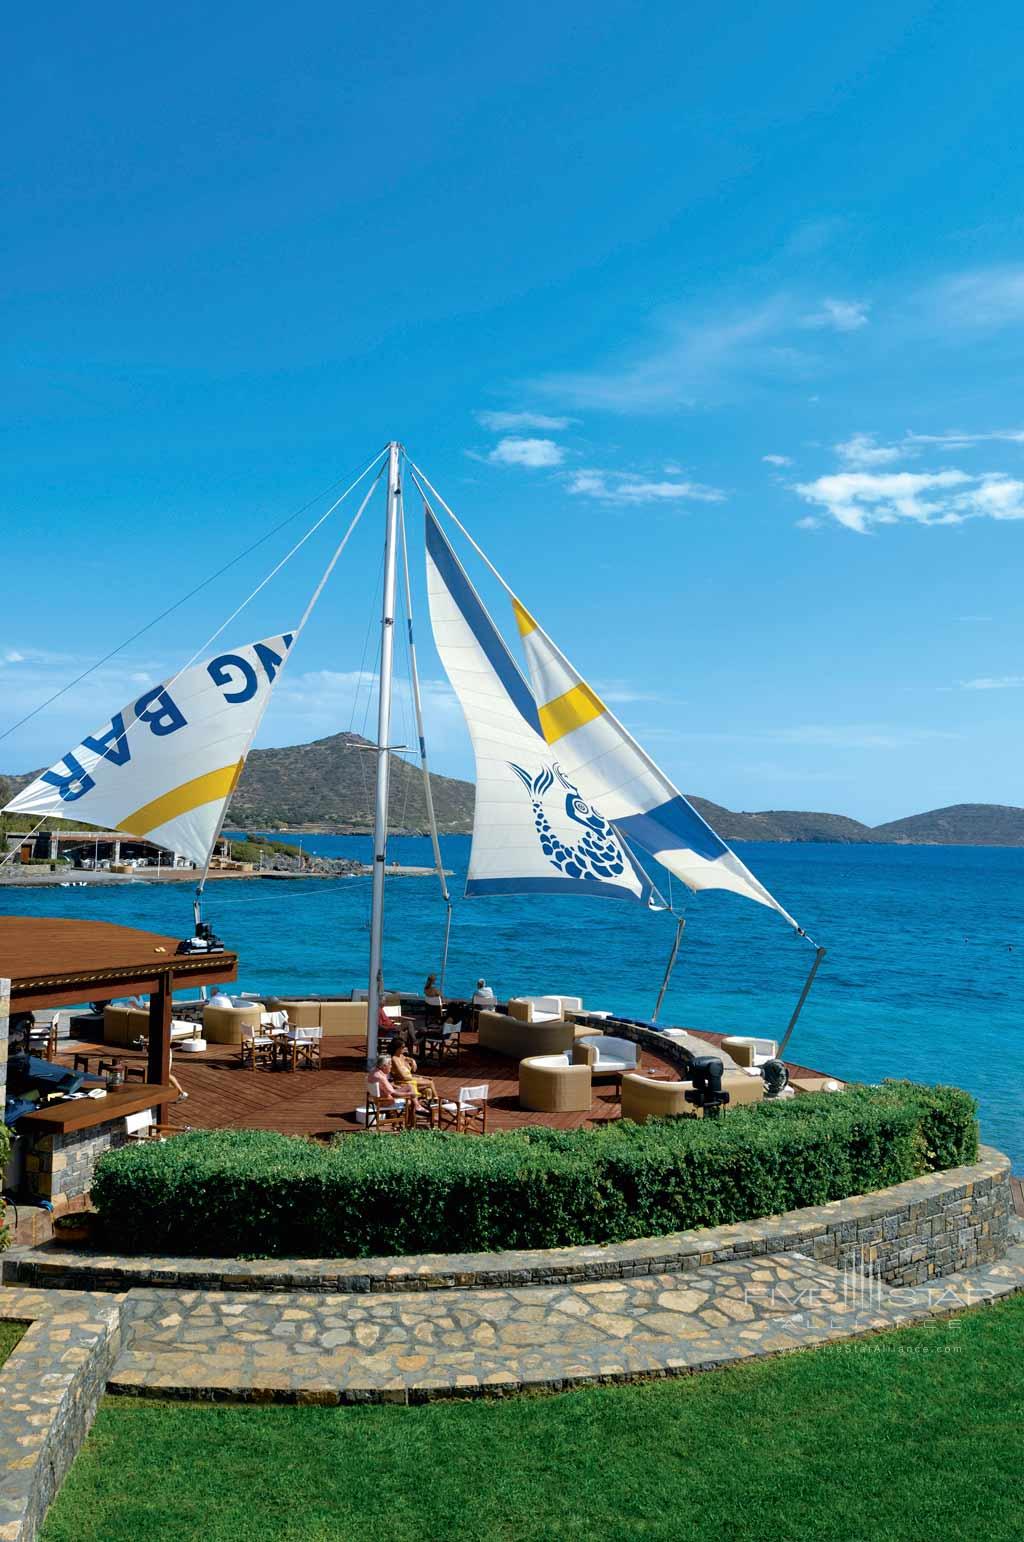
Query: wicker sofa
{"type": "Point", "coordinates": [509, 1036]}
{"type": "Point", "coordinates": [334, 1017]}
{"type": "Point", "coordinates": [121, 1025]}
{"type": "Point", "coordinates": [645, 1097]}
{"type": "Point", "coordinates": [548, 1084]}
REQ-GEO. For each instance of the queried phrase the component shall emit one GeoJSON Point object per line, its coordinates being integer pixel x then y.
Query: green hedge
{"type": "Point", "coordinates": [232, 1193]}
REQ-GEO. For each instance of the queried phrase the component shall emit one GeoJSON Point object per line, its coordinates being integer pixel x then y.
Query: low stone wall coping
{"type": "Point", "coordinates": [884, 1226]}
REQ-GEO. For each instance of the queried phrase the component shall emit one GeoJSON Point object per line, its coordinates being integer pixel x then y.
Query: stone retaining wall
{"type": "Point", "coordinates": [60, 1167]}
{"type": "Point", "coordinates": [908, 1234]}
{"type": "Point", "coordinates": [50, 1387]}
{"type": "Point", "coordinates": [649, 1039]}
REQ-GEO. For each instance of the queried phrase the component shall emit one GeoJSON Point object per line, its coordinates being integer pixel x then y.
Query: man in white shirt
{"type": "Point", "coordinates": [219, 999]}
{"type": "Point", "coordinates": [483, 996]}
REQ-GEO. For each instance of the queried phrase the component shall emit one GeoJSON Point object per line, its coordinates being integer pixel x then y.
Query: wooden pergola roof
{"type": "Point", "coordinates": [53, 963]}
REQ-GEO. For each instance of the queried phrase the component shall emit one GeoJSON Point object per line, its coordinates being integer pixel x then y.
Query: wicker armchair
{"type": "Point", "coordinates": [548, 1084]}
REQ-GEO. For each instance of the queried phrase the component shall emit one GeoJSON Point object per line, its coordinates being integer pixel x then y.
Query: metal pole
{"type": "Point", "coordinates": [680, 924]}
{"type": "Point", "coordinates": [819, 954]}
{"type": "Point", "coordinates": [380, 819]}
{"type": "Point", "coordinates": [428, 790]}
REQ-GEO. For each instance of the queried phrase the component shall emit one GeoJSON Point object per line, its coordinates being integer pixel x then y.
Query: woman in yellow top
{"type": "Point", "coordinates": [403, 1068]}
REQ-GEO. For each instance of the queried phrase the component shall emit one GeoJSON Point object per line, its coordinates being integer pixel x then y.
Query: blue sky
{"type": "Point", "coordinates": [708, 324]}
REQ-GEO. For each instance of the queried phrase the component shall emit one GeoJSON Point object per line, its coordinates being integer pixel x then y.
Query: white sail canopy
{"type": "Point", "coordinates": [166, 764]}
{"type": "Point", "coordinates": [532, 831]}
{"type": "Point", "coordinates": [612, 771]}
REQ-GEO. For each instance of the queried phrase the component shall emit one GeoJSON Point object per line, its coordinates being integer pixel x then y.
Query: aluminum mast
{"type": "Point", "coordinates": [375, 994]}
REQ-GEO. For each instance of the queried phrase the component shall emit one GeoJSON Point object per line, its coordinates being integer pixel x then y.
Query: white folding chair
{"type": "Point", "coordinates": [469, 1112]}
{"type": "Point", "coordinates": [255, 1047]}
{"type": "Point", "coordinates": [305, 1044]}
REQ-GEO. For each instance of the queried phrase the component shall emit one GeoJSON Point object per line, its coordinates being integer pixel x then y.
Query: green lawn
{"type": "Point", "coordinates": [11, 1333]}
{"type": "Point", "coordinates": [911, 1435]}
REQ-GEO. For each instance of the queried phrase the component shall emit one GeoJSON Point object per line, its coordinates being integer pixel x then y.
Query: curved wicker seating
{"type": "Point", "coordinates": [644, 1097]}
{"type": "Point", "coordinates": [548, 1084]}
{"type": "Point", "coordinates": [223, 1025]}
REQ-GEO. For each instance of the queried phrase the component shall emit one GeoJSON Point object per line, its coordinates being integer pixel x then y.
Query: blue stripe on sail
{"type": "Point", "coordinates": [590, 889]}
{"type": "Point", "coordinates": [480, 623]}
{"type": "Point", "coordinates": [671, 825]}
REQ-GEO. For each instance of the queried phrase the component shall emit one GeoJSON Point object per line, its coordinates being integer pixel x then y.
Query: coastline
{"type": "Point", "coordinates": [20, 878]}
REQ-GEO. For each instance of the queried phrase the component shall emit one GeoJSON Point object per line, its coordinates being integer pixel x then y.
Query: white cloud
{"type": "Point", "coordinates": [993, 683]}
{"type": "Point", "coordinates": [996, 496]}
{"type": "Point", "coordinates": [831, 736]}
{"type": "Point", "coordinates": [955, 441]}
{"type": "Point", "coordinates": [983, 298]}
{"type": "Point", "coordinates": [812, 237]}
{"type": "Point", "coordinates": [627, 487]}
{"type": "Point", "coordinates": [778, 460]}
{"type": "Point", "coordinates": [502, 422]}
{"type": "Point", "coordinates": [535, 453]}
{"type": "Point", "coordinates": [862, 450]}
{"type": "Point", "coordinates": [839, 315]}
{"type": "Point", "coordinates": [857, 736]}
{"type": "Point", "coordinates": [860, 499]}
{"type": "Point", "coordinates": [35, 675]}
{"type": "Point", "coordinates": [620, 693]}
{"type": "Point", "coordinates": [689, 360]}
{"type": "Point", "coordinates": [863, 499]}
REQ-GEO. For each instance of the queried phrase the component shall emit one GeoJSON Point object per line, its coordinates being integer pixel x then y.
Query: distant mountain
{"type": "Point", "coordinates": [328, 786]}
{"type": "Point", "coordinates": [962, 824]}
{"type": "Point", "coordinates": [780, 824]}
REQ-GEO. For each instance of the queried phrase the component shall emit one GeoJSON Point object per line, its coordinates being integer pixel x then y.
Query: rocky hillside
{"type": "Point", "coordinates": [781, 824]}
{"type": "Point", "coordinates": [962, 824]}
{"type": "Point", "coordinates": [328, 786]}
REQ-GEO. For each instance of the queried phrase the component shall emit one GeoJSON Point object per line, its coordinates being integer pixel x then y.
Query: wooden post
{"type": "Point", "coordinates": [159, 1060]}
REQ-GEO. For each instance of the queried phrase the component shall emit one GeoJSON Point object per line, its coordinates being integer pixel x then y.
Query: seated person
{"type": "Point", "coordinates": [379, 1085]}
{"type": "Point", "coordinates": [483, 996]}
{"type": "Point", "coordinates": [401, 1027]}
{"type": "Point", "coordinates": [403, 1068]}
{"type": "Point", "coordinates": [432, 992]}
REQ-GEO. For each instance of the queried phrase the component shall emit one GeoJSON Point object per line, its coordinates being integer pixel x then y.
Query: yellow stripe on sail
{"type": "Point", "coordinates": [181, 800]}
{"type": "Point", "coordinates": [573, 709]}
{"type": "Point", "coordinates": [524, 621]}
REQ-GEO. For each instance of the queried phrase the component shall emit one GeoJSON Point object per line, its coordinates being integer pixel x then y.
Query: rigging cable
{"type": "Point", "coordinates": [178, 673]}
{"type": "Point", "coordinates": [190, 595]}
{"type": "Point", "coordinates": [317, 592]}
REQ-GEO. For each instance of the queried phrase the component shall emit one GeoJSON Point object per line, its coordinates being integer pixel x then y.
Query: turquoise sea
{"type": "Point", "coordinates": [923, 977]}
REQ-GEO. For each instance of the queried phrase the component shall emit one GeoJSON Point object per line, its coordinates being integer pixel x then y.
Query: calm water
{"type": "Point", "coordinates": [923, 977]}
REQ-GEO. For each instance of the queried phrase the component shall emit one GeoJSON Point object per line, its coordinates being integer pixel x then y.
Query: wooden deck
{"type": "Point", "coordinates": [222, 1094]}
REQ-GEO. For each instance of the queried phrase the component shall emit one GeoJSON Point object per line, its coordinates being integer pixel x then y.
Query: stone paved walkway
{"type": "Point", "coordinates": [409, 1348]}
